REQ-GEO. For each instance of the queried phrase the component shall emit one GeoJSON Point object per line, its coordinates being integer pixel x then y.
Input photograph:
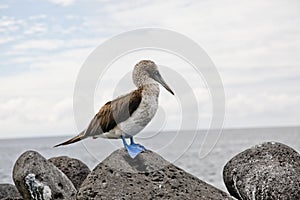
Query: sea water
{"type": "Point", "coordinates": [183, 148]}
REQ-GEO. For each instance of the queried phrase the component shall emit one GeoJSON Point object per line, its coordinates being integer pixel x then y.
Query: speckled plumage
{"type": "Point", "coordinates": [127, 115]}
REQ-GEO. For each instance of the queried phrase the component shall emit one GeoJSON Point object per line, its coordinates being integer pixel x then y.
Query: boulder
{"type": "Point", "coordinates": [12, 198]}
{"type": "Point", "coordinates": [9, 191]}
{"type": "Point", "coordinates": [37, 178]}
{"type": "Point", "coordinates": [75, 170]}
{"type": "Point", "coordinates": [267, 171]}
{"type": "Point", "coordinates": [148, 176]}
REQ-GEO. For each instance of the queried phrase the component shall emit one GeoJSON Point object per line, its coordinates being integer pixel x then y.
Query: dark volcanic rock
{"type": "Point", "coordinates": [267, 171]}
{"type": "Point", "coordinates": [34, 176]}
{"type": "Point", "coordinates": [148, 176]}
{"type": "Point", "coordinates": [9, 191]}
{"type": "Point", "coordinates": [12, 198]}
{"type": "Point", "coordinates": [75, 170]}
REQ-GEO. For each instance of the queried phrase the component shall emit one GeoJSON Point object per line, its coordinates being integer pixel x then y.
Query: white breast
{"type": "Point", "coordinates": [144, 113]}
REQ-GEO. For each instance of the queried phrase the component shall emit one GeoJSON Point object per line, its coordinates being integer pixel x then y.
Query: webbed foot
{"type": "Point", "coordinates": [133, 149]}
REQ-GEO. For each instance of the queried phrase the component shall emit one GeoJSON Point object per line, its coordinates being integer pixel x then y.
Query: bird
{"type": "Point", "coordinates": [129, 114]}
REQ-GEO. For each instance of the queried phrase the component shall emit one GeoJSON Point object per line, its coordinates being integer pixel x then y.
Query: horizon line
{"type": "Point", "coordinates": [165, 131]}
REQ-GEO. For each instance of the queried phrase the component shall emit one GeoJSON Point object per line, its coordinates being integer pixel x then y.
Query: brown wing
{"type": "Point", "coordinates": [114, 112]}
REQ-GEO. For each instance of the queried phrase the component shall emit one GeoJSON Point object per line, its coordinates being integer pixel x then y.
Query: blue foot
{"type": "Point", "coordinates": [132, 143]}
{"type": "Point", "coordinates": [133, 149]}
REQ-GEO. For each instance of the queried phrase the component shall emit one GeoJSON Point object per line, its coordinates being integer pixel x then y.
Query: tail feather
{"type": "Point", "coordinates": [72, 140]}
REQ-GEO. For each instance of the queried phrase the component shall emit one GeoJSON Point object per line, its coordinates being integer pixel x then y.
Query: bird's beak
{"type": "Point", "coordinates": [157, 77]}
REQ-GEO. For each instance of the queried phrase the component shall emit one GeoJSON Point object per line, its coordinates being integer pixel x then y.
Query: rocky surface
{"type": "Point", "coordinates": [12, 198]}
{"type": "Point", "coordinates": [75, 170]}
{"type": "Point", "coordinates": [148, 176]}
{"type": "Point", "coordinates": [267, 171]}
{"type": "Point", "coordinates": [37, 178]}
{"type": "Point", "coordinates": [9, 191]}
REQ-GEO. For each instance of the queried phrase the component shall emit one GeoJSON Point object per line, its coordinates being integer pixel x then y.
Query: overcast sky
{"type": "Point", "coordinates": [255, 46]}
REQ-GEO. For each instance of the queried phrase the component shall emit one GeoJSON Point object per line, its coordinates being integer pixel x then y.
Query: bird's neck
{"type": "Point", "coordinates": [151, 89]}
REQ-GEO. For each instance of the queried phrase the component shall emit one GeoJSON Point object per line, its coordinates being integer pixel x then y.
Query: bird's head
{"type": "Point", "coordinates": [146, 72]}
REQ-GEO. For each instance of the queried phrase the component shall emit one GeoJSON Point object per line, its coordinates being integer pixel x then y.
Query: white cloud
{"type": "Point", "coordinates": [10, 24]}
{"type": "Point", "coordinates": [37, 28]}
{"type": "Point", "coordinates": [4, 6]}
{"type": "Point", "coordinates": [271, 109]}
{"type": "Point", "coordinates": [37, 17]}
{"type": "Point", "coordinates": [39, 101]}
{"type": "Point", "coordinates": [19, 28]}
{"type": "Point", "coordinates": [53, 44]}
{"type": "Point", "coordinates": [39, 45]}
{"type": "Point", "coordinates": [23, 116]}
{"type": "Point", "coordinates": [4, 40]}
{"type": "Point", "coordinates": [234, 33]}
{"type": "Point", "coordinates": [62, 2]}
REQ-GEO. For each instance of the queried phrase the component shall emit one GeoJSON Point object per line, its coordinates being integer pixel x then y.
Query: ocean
{"type": "Point", "coordinates": [183, 148]}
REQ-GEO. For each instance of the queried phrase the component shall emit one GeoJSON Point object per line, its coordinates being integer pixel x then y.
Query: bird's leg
{"type": "Point", "coordinates": [131, 140]}
{"type": "Point", "coordinates": [133, 149]}
{"type": "Point", "coordinates": [132, 143]}
{"type": "Point", "coordinates": [124, 141]}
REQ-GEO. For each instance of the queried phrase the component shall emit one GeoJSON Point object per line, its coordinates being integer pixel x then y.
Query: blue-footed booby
{"type": "Point", "coordinates": [127, 115]}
